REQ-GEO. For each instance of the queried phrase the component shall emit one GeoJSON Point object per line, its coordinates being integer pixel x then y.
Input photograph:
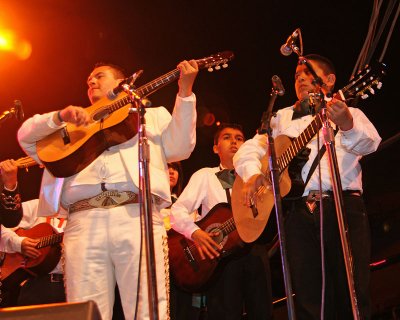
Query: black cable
{"type": "Point", "coordinates": [390, 33]}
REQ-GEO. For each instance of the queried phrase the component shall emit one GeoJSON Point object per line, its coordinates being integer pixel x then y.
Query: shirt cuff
{"type": "Point", "coordinates": [14, 189]}
{"type": "Point", "coordinates": [190, 98]}
{"type": "Point", "coordinates": [52, 124]}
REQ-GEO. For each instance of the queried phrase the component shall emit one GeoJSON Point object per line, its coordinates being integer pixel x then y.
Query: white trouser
{"type": "Point", "coordinates": [102, 247]}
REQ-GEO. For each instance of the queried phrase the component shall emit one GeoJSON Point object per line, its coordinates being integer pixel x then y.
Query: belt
{"type": "Point", "coordinates": [56, 277]}
{"type": "Point", "coordinates": [315, 196]}
{"type": "Point", "coordinates": [108, 199]}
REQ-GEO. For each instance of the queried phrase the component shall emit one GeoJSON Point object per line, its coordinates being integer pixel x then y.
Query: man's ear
{"type": "Point", "coordinates": [331, 80]}
{"type": "Point", "coordinates": [215, 149]}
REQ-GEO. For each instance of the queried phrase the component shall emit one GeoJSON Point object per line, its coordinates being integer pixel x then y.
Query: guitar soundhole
{"type": "Point", "coordinates": [220, 238]}
{"type": "Point", "coordinates": [101, 114]}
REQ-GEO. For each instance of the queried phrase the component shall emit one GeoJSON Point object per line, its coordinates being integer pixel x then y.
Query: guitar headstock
{"type": "Point", "coordinates": [365, 82]}
{"type": "Point", "coordinates": [216, 61]}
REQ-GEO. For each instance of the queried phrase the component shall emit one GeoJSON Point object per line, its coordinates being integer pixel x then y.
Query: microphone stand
{"type": "Point", "coordinates": [145, 198]}
{"type": "Point", "coordinates": [329, 141]}
{"type": "Point", "coordinates": [275, 173]}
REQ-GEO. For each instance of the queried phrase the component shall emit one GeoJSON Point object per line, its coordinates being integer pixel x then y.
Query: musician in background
{"type": "Point", "coordinates": [355, 138]}
{"type": "Point", "coordinates": [176, 185]}
{"type": "Point", "coordinates": [102, 240]}
{"type": "Point", "coordinates": [244, 284]}
{"type": "Point", "coordinates": [10, 198]}
{"type": "Point", "coordinates": [45, 288]}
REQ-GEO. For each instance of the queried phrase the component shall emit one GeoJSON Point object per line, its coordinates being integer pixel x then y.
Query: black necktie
{"type": "Point", "coordinates": [226, 177]}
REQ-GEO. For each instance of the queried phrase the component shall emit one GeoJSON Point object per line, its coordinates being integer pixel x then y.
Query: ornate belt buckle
{"type": "Point", "coordinates": [109, 199]}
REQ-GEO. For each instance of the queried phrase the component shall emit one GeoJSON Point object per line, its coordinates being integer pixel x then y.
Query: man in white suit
{"type": "Point", "coordinates": [103, 235]}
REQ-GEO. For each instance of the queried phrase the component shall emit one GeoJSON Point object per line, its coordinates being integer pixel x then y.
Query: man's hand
{"type": "Point", "coordinates": [72, 114]}
{"type": "Point", "coordinates": [256, 183]}
{"type": "Point", "coordinates": [205, 244]}
{"type": "Point", "coordinates": [189, 71]}
{"type": "Point", "coordinates": [339, 113]}
{"type": "Point", "coordinates": [8, 172]}
{"type": "Point", "coordinates": [28, 248]}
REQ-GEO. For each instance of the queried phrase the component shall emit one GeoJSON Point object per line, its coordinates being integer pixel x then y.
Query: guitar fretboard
{"type": "Point", "coordinates": [300, 142]}
{"type": "Point", "coordinates": [50, 240]}
{"type": "Point", "coordinates": [228, 226]}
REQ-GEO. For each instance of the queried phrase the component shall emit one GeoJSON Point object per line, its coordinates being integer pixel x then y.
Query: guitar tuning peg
{"type": "Point", "coordinates": [225, 65]}
{"type": "Point", "coordinates": [218, 67]}
{"type": "Point", "coordinates": [379, 85]}
{"type": "Point", "coordinates": [371, 90]}
{"type": "Point", "coordinates": [364, 96]}
{"type": "Point", "coordinates": [210, 69]}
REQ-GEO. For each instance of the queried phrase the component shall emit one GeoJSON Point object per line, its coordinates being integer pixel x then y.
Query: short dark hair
{"type": "Point", "coordinates": [325, 64]}
{"type": "Point", "coordinates": [223, 126]}
{"type": "Point", "coordinates": [119, 72]}
{"type": "Point", "coordinates": [179, 184]}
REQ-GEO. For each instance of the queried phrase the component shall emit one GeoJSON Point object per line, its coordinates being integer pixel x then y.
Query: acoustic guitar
{"type": "Point", "coordinates": [69, 150]}
{"type": "Point", "coordinates": [16, 267]}
{"type": "Point", "coordinates": [189, 271]}
{"type": "Point", "coordinates": [251, 221]}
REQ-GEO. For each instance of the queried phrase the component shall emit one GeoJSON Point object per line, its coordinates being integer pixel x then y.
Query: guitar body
{"type": "Point", "coordinates": [189, 271]}
{"type": "Point", "coordinates": [17, 267]}
{"type": "Point", "coordinates": [86, 143]}
{"type": "Point", "coordinates": [251, 221]}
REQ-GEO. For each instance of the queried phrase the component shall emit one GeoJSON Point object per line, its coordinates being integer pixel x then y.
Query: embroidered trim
{"type": "Point", "coordinates": [10, 200]}
{"type": "Point", "coordinates": [166, 268]}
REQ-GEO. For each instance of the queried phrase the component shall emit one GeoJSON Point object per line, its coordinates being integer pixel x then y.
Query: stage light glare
{"type": "Point", "coordinates": [9, 42]}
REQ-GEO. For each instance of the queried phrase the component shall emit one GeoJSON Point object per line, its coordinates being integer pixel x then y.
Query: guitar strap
{"type": "Point", "coordinates": [315, 162]}
{"type": "Point", "coordinates": [228, 196]}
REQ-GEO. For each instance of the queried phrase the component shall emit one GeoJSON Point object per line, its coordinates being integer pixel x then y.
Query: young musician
{"type": "Point", "coordinates": [44, 288]}
{"type": "Point", "coordinates": [103, 243]}
{"type": "Point", "coordinates": [244, 284]}
{"type": "Point", "coordinates": [10, 198]}
{"type": "Point", "coordinates": [356, 137]}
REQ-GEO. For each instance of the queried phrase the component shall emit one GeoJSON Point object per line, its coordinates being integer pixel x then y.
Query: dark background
{"type": "Point", "coordinates": [69, 37]}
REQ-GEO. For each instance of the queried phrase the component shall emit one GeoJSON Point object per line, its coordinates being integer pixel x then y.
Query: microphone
{"type": "Point", "coordinates": [277, 85]}
{"type": "Point", "coordinates": [287, 47]}
{"type": "Point", "coordinates": [112, 94]}
{"type": "Point", "coordinates": [17, 110]}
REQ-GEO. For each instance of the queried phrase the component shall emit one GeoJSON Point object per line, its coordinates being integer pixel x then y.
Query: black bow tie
{"type": "Point", "coordinates": [226, 177]}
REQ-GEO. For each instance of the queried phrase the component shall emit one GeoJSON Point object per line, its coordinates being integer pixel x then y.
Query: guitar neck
{"type": "Point", "coordinates": [158, 83]}
{"type": "Point", "coordinates": [25, 162]}
{"type": "Point", "coordinates": [212, 61]}
{"type": "Point", "coordinates": [300, 142]}
{"type": "Point", "coordinates": [50, 240]}
{"type": "Point", "coordinates": [228, 226]}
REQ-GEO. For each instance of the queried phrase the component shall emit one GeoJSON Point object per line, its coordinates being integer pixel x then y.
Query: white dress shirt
{"type": "Point", "coordinates": [171, 138]}
{"type": "Point", "coordinates": [203, 189]}
{"type": "Point", "coordinates": [351, 145]}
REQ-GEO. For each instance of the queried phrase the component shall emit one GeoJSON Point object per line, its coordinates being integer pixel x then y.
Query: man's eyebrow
{"type": "Point", "coordinates": [95, 75]}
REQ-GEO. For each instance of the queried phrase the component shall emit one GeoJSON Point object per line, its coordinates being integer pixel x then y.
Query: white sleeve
{"type": "Point", "coordinates": [179, 136]}
{"type": "Point", "coordinates": [363, 138]}
{"type": "Point", "coordinates": [247, 160]}
{"type": "Point", "coordinates": [188, 202]}
{"type": "Point", "coordinates": [34, 129]}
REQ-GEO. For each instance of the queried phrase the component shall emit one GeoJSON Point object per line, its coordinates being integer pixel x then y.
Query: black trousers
{"type": "Point", "coordinates": [42, 290]}
{"type": "Point", "coordinates": [304, 257]}
{"type": "Point", "coordinates": [244, 287]}
{"type": "Point", "coordinates": [240, 290]}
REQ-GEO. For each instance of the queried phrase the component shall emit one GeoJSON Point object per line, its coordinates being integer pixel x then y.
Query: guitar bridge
{"type": "Point", "coordinates": [189, 256]}
{"type": "Point", "coordinates": [65, 135]}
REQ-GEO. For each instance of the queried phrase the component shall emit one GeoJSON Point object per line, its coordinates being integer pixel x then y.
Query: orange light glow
{"type": "Point", "coordinates": [11, 43]}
